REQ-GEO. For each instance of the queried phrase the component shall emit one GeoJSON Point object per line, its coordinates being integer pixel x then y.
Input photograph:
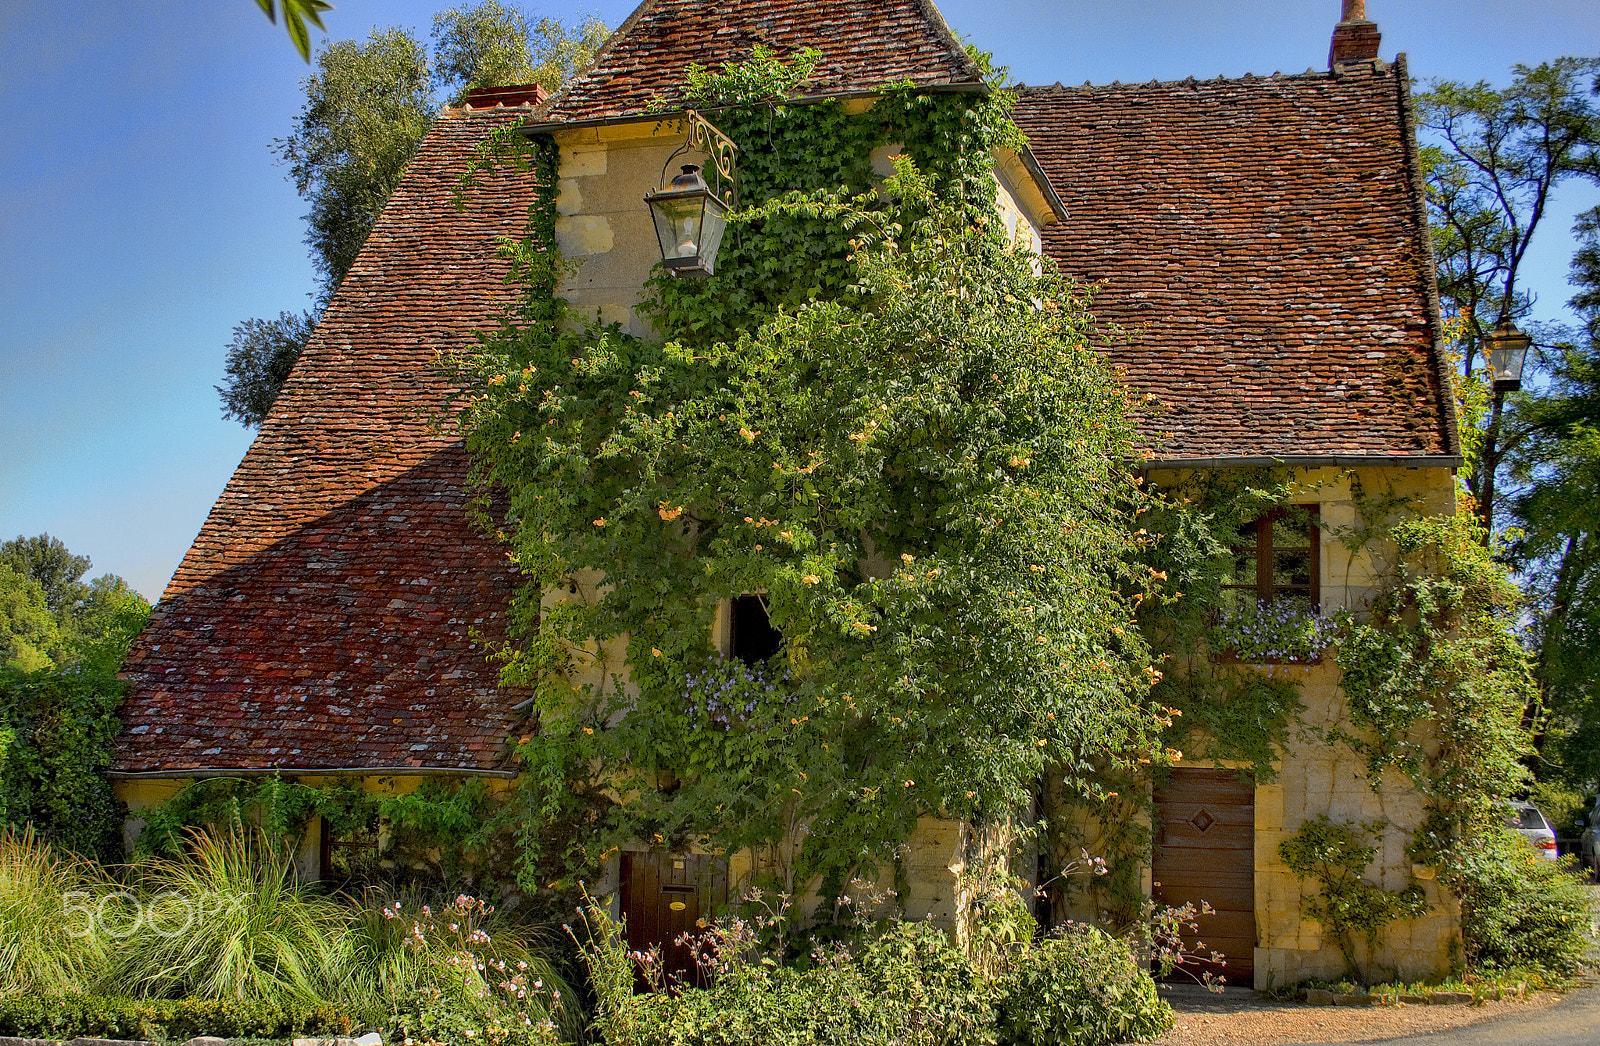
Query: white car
{"type": "Point", "coordinates": [1526, 820]}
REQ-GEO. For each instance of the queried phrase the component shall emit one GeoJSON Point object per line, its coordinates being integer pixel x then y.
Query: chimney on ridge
{"type": "Point", "coordinates": [1354, 39]}
{"type": "Point", "coordinates": [489, 97]}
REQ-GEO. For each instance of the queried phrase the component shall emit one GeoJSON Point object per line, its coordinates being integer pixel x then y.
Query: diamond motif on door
{"type": "Point", "coordinates": [1202, 820]}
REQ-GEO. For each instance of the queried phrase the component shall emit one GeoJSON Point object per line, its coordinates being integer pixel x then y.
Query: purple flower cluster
{"type": "Point", "coordinates": [731, 692]}
{"type": "Point", "coordinates": [1283, 630]}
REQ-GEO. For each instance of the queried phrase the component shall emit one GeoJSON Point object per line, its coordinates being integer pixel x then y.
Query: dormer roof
{"type": "Point", "coordinates": [865, 44]}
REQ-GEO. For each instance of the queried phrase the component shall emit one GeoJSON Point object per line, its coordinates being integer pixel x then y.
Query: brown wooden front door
{"type": "Point", "coordinates": [1205, 851]}
{"type": "Point", "coordinates": [664, 898]}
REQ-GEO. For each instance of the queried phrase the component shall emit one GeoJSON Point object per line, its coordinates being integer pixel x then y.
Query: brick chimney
{"type": "Point", "coordinates": [489, 97]}
{"type": "Point", "coordinates": [1354, 39]}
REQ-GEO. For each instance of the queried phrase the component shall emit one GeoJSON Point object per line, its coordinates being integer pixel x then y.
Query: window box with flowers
{"type": "Point", "coordinates": [1281, 632]}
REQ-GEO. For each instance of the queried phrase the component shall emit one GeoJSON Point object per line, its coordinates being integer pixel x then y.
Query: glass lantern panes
{"type": "Point", "coordinates": [689, 221]}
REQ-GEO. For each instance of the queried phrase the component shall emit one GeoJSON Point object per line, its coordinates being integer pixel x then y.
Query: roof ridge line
{"type": "Point", "coordinates": [940, 26]}
{"type": "Point", "coordinates": [1309, 74]}
{"type": "Point", "coordinates": [559, 96]}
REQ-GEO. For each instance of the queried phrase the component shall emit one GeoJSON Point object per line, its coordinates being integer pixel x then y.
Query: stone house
{"type": "Point", "coordinates": [1263, 239]}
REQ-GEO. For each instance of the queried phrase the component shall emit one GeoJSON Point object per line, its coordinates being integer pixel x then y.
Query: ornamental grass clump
{"type": "Point", "coordinates": [227, 920]}
{"type": "Point", "coordinates": [50, 942]}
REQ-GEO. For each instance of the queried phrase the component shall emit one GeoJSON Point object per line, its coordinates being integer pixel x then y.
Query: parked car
{"type": "Point", "coordinates": [1526, 820]}
{"type": "Point", "coordinates": [1589, 842]}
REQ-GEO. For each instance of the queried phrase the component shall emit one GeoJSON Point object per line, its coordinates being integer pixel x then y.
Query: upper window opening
{"type": "Point", "coordinates": [752, 638]}
{"type": "Point", "coordinates": [1275, 560]}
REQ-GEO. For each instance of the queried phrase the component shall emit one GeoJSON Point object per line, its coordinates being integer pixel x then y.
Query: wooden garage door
{"type": "Point", "coordinates": [664, 897]}
{"type": "Point", "coordinates": [1205, 851]}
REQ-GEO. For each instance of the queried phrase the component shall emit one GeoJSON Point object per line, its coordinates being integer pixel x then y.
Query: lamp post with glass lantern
{"type": "Point", "coordinates": [1505, 351]}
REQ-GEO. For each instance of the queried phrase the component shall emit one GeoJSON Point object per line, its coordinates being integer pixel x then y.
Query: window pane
{"type": "Point", "coordinates": [1292, 529]}
{"type": "Point", "coordinates": [1291, 570]}
{"type": "Point", "coordinates": [1244, 567]}
{"type": "Point", "coordinates": [1236, 600]}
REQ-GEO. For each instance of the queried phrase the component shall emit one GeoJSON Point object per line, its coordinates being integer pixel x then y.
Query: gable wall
{"type": "Point", "coordinates": [1314, 778]}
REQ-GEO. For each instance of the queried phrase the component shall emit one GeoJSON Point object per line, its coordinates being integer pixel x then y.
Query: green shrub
{"type": "Point", "coordinates": [915, 970]}
{"type": "Point", "coordinates": [451, 971]}
{"type": "Point", "coordinates": [48, 942]}
{"type": "Point", "coordinates": [63, 1017]}
{"type": "Point", "coordinates": [1081, 988]}
{"type": "Point", "coordinates": [56, 734]}
{"type": "Point", "coordinates": [1518, 910]}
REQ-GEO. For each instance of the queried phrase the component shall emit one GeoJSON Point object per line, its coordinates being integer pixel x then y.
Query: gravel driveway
{"type": "Point", "coordinates": [1240, 1017]}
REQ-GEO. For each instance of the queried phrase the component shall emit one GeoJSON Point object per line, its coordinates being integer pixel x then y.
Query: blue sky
{"type": "Point", "coordinates": [145, 215]}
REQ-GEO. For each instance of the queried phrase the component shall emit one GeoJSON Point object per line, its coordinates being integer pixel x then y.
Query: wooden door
{"type": "Point", "coordinates": [664, 898]}
{"type": "Point", "coordinates": [1205, 851]}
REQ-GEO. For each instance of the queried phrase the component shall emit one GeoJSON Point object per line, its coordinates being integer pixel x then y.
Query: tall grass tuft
{"type": "Point", "coordinates": [227, 920]}
{"type": "Point", "coordinates": [51, 941]}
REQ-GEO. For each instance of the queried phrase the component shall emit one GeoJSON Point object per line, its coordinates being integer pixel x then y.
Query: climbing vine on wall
{"type": "Point", "coordinates": [1336, 856]}
{"type": "Point", "coordinates": [1216, 706]}
{"type": "Point", "coordinates": [449, 831]}
{"type": "Point", "coordinates": [881, 420]}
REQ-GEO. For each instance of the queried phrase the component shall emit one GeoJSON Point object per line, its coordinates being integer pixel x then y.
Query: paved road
{"type": "Point", "coordinates": [1574, 1021]}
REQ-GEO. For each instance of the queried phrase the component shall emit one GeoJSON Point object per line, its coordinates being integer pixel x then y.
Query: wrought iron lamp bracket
{"type": "Point", "coordinates": [724, 155]}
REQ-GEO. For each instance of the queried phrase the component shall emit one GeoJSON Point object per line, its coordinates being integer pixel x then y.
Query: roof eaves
{"type": "Point", "coordinates": [1448, 421]}
{"type": "Point", "coordinates": [315, 771]}
{"type": "Point", "coordinates": [1241, 461]}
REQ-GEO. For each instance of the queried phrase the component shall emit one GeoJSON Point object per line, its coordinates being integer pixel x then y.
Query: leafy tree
{"type": "Point", "coordinates": [51, 619]}
{"type": "Point", "coordinates": [30, 639]}
{"type": "Point", "coordinates": [490, 45]}
{"type": "Point", "coordinates": [368, 106]}
{"type": "Point", "coordinates": [296, 13]}
{"type": "Point", "coordinates": [260, 357]}
{"type": "Point", "coordinates": [1495, 158]}
{"type": "Point", "coordinates": [1559, 512]}
{"type": "Point", "coordinates": [46, 560]}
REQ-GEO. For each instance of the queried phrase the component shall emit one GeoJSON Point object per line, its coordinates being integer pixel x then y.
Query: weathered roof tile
{"type": "Point", "coordinates": [321, 620]}
{"type": "Point", "coordinates": [865, 44]}
{"type": "Point", "coordinates": [1261, 241]}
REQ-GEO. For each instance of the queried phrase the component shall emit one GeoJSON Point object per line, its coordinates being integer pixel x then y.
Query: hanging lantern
{"type": "Point", "coordinates": [690, 217]}
{"type": "Point", "coordinates": [1507, 349]}
{"type": "Point", "coordinates": [690, 221]}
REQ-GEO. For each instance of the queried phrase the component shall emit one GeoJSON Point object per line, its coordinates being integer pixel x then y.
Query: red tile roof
{"type": "Point", "coordinates": [326, 616]}
{"type": "Point", "coordinates": [1262, 237]}
{"type": "Point", "coordinates": [865, 44]}
{"type": "Point", "coordinates": [1263, 240]}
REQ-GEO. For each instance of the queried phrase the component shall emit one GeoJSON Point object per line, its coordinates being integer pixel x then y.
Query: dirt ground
{"type": "Point", "coordinates": [1240, 1017]}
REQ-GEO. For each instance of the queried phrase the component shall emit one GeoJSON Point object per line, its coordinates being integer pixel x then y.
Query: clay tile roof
{"type": "Point", "coordinates": [864, 43]}
{"type": "Point", "coordinates": [1262, 239]}
{"type": "Point", "coordinates": [332, 611]}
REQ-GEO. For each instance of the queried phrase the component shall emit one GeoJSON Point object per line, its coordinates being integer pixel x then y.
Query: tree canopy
{"type": "Point", "coordinates": [1497, 158]}
{"type": "Point", "coordinates": [50, 618]}
{"type": "Point", "coordinates": [1493, 157]}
